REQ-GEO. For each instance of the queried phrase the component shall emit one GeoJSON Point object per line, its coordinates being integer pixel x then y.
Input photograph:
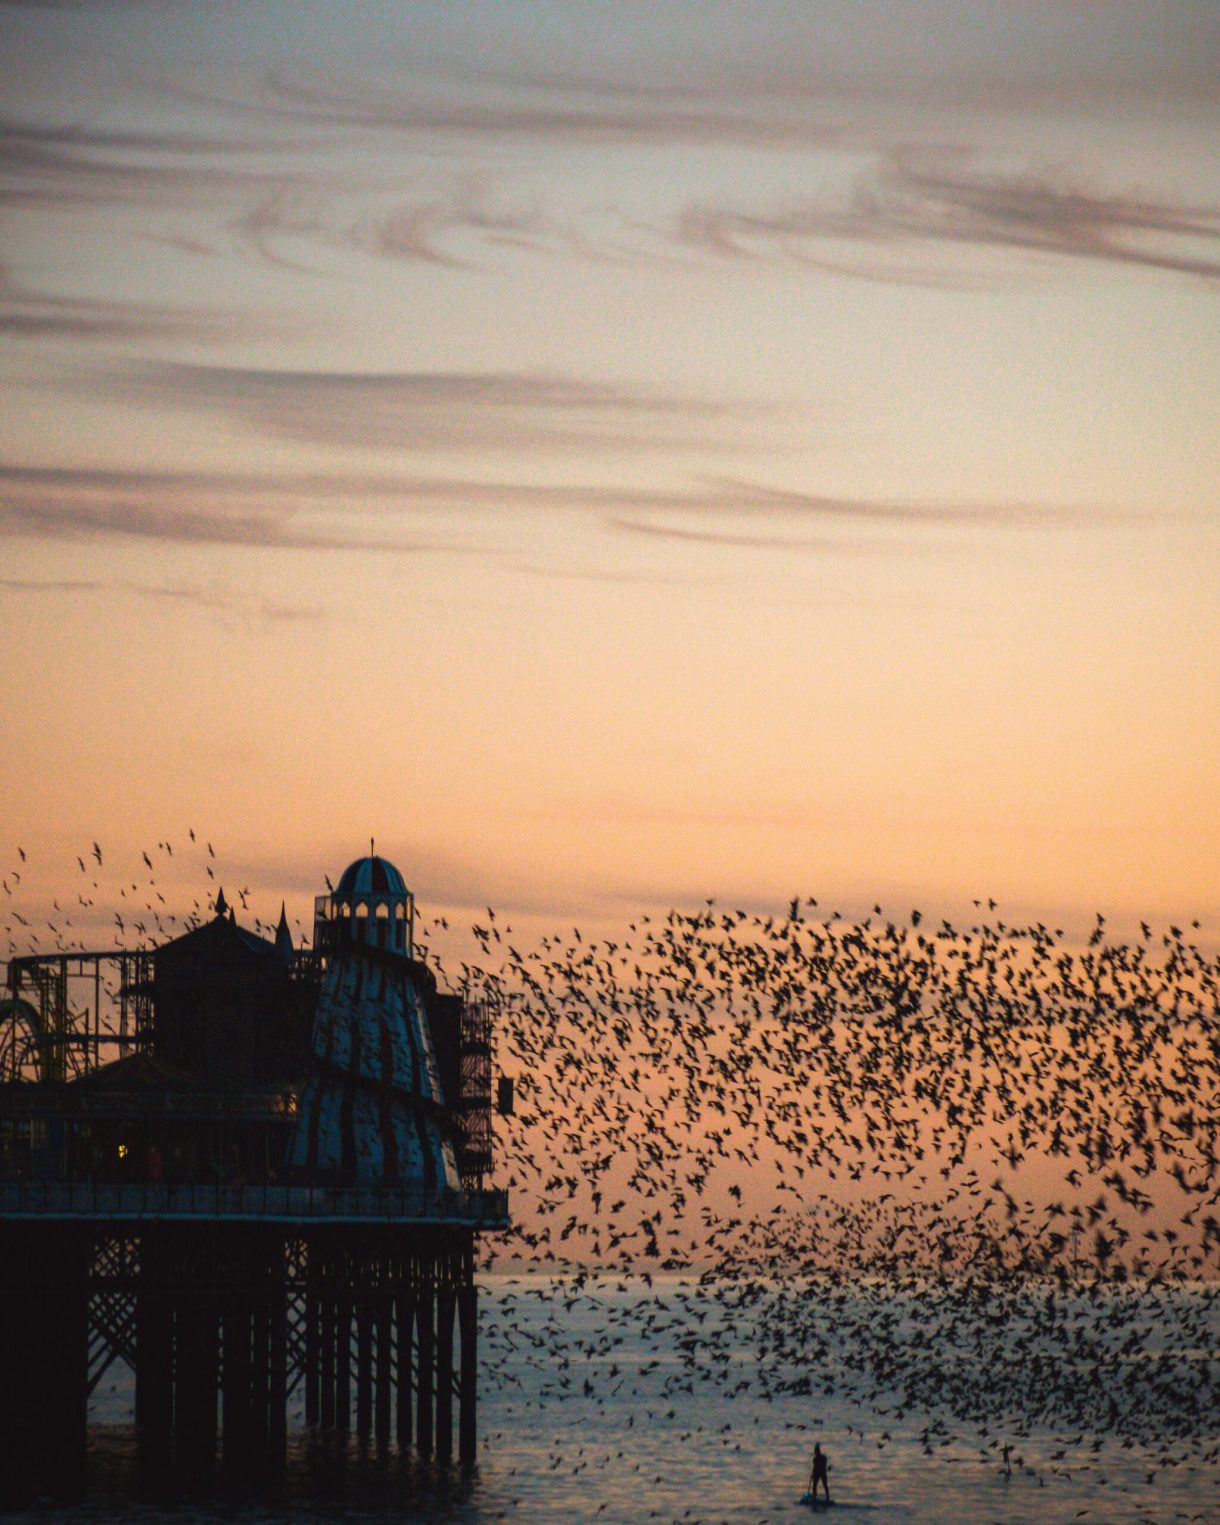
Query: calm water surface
{"type": "Point", "coordinates": [638, 1447]}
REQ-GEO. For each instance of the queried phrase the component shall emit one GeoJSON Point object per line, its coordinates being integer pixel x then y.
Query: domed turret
{"type": "Point", "coordinates": [371, 904]}
{"type": "Point", "coordinates": [370, 876]}
{"type": "Point", "coordinates": [374, 1112]}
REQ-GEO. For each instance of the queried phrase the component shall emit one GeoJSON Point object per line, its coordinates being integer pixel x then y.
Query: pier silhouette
{"type": "Point", "coordinates": [246, 1172]}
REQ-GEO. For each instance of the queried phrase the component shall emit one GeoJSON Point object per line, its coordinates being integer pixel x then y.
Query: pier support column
{"type": "Point", "coordinates": [445, 1307]}
{"type": "Point", "coordinates": [343, 1363]}
{"type": "Point", "coordinates": [468, 1331]}
{"type": "Point", "coordinates": [155, 1357]}
{"type": "Point", "coordinates": [383, 1371]}
{"type": "Point", "coordinates": [313, 1343]}
{"type": "Point", "coordinates": [260, 1373]}
{"type": "Point", "coordinates": [235, 1385]}
{"type": "Point", "coordinates": [277, 1352]}
{"type": "Point", "coordinates": [255, 1353]}
{"type": "Point", "coordinates": [327, 1321]}
{"type": "Point", "coordinates": [44, 1344]}
{"type": "Point", "coordinates": [424, 1312]}
{"type": "Point", "coordinates": [196, 1355]}
{"type": "Point", "coordinates": [364, 1364]}
{"type": "Point", "coordinates": [404, 1328]}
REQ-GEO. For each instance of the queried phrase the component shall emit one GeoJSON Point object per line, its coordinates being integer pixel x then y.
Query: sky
{"type": "Point", "coordinates": [614, 456]}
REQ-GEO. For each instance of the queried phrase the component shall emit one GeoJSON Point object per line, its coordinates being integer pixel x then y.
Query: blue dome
{"type": "Point", "coordinates": [371, 876]}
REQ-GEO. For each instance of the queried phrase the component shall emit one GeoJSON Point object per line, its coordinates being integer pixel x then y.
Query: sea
{"type": "Point", "coordinates": [596, 1406]}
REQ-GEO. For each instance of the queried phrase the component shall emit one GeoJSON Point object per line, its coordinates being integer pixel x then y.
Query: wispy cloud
{"type": "Point", "coordinates": [29, 314]}
{"type": "Point", "coordinates": [250, 203]}
{"type": "Point", "coordinates": [425, 229]}
{"type": "Point", "coordinates": [778, 83]}
{"type": "Point", "coordinates": [728, 495]}
{"type": "Point", "coordinates": [48, 503]}
{"type": "Point", "coordinates": [542, 108]}
{"type": "Point", "coordinates": [732, 539]}
{"type": "Point", "coordinates": [431, 410]}
{"type": "Point", "coordinates": [47, 167]}
{"type": "Point", "coordinates": [283, 196]}
{"type": "Point", "coordinates": [50, 584]}
{"type": "Point", "coordinates": [735, 514]}
{"type": "Point", "coordinates": [915, 202]}
{"type": "Point", "coordinates": [332, 512]}
{"type": "Point", "coordinates": [274, 611]}
{"type": "Point", "coordinates": [147, 521]}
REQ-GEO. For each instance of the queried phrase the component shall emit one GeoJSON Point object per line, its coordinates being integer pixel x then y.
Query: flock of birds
{"type": "Point", "coordinates": [143, 919]}
{"type": "Point", "coordinates": [969, 1174]}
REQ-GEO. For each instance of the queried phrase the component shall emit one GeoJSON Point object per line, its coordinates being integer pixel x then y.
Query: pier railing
{"type": "Point", "coordinates": [49, 1102]}
{"type": "Point", "coordinates": [261, 1203]}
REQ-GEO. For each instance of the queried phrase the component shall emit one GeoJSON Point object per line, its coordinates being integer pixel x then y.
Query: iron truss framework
{"type": "Point", "coordinates": [373, 1328]}
{"type": "Point", "coordinates": [63, 1014]}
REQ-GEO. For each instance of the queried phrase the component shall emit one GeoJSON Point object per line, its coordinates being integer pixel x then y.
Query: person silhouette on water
{"type": "Point", "coordinates": [820, 1474]}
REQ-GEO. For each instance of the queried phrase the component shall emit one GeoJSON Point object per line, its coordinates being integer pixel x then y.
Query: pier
{"type": "Point", "coordinates": [271, 1193]}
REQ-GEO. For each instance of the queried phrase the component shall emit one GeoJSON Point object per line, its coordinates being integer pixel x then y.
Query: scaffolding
{"type": "Point", "coordinates": [61, 1011]}
{"type": "Point", "coordinates": [475, 1058]}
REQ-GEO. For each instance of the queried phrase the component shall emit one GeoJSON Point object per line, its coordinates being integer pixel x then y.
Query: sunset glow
{"type": "Point", "coordinates": [616, 456]}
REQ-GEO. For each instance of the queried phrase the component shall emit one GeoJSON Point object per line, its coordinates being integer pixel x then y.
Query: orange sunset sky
{"type": "Point", "coordinates": [616, 455]}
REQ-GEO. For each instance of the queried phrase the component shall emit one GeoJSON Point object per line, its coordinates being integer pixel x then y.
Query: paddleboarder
{"type": "Point", "coordinates": [820, 1473]}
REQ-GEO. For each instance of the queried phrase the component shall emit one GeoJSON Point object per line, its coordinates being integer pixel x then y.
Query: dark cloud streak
{"type": "Point", "coordinates": [432, 410]}
{"type": "Point", "coordinates": [46, 168]}
{"type": "Point", "coordinates": [916, 200]}
{"type": "Point", "coordinates": [336, 512]}
{"type": "Point", "coordinates": [30, 314]}
{"type": "Point", "coordinates": [67, 504]}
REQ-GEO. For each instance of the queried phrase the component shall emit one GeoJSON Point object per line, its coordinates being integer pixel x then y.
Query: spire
{"type": "Point", "coordinates": [222, 905]}
{"type": "Point", "coordinates": [283, 936]}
